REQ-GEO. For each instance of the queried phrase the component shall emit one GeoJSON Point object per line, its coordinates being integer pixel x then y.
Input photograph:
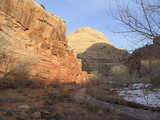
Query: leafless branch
{"type": "Point", "coordinates": [142, 20]}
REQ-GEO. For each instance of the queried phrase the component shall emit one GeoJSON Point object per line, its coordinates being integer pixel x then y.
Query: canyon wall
{"type": "Point", "coordinates": [35, 40]}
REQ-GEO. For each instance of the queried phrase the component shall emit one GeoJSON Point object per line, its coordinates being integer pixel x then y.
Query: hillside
{"type": "Point", "coordinates": [95, 50]}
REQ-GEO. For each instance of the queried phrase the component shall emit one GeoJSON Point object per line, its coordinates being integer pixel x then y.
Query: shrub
{"type": "Point", "coordinates": [21, 78]}
{"type": "Point", "coordinates": [119, 74]}
{"type": "Point", "coordinates": [151, 71]}
{"type": "Point", "coordinates": [118, 70]}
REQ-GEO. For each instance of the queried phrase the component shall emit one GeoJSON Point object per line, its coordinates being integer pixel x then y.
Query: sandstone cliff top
{"type": "Point", "coordinates": [33, 17]}
{"type": "Point", "coordinates": [121, 48]}
{"type": "Point", "coordinates": [87, 34]}
{"type": "Point", "coordinates": [46, 12]}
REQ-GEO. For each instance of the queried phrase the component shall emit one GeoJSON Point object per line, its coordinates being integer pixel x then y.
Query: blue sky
{"type": "Point", "coordinates": [92, 13]}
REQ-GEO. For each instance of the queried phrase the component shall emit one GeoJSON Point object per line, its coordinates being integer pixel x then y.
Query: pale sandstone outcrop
{"type": "Point", "coordinates": [83, 38]}
{"type": "Point", "coordinates": [36, 38]}
{"type": "Point", "coordinates": [95, 50]}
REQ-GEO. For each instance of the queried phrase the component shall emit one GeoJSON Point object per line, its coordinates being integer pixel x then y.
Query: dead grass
{"type": "Point", "coordinates": [107, 92]}
{"type": "Point", "coordinates": [104, 92]}
{"type": "Point", "coordinates": [119, 75]}
{"type": "Point", "coordinates": [105, 89]}
{"type": "Point", "coordinates": [151, 72]}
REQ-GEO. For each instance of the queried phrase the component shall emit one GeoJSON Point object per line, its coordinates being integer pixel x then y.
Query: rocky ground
{"type": "Point", "coordinates": [138, 100]}
{"type": "Point", "coordinates": [49, 103]}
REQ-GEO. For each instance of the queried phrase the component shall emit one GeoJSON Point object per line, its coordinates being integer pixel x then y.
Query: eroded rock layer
{"type": "Point", "coordinates": [35, 40]}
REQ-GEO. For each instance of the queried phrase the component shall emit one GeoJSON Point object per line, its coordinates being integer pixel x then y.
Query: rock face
{"type": "Point", "coordinates": [96, 52]}
{"type": "Point", "coordinates": [34, 40]}
{"type": "Point", "coordinates": [83, 38]}
{"type": "Point", "coordinates": [148, 53]}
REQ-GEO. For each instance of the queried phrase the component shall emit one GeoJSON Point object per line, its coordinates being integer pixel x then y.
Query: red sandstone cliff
{"type": "Point", "coordinates": [35, 39]}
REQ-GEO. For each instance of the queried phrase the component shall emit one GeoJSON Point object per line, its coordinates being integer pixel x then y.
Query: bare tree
{"type": "Point", "coordinates": [141, 19]}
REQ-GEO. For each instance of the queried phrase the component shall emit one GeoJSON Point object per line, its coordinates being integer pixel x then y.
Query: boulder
{"type": "Point", "coordinates": [36, 115]}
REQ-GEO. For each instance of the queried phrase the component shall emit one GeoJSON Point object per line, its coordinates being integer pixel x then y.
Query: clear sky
{"type": "Point", "coordinates": [92, 13]}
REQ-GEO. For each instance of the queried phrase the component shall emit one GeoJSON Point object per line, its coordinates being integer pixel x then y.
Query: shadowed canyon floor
{"type": "Point", "coordinates": [50, 103]}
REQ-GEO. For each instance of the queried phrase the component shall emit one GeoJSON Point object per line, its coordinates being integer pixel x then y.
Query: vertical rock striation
{"type": "Point", "coordinates": [34, 39]}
